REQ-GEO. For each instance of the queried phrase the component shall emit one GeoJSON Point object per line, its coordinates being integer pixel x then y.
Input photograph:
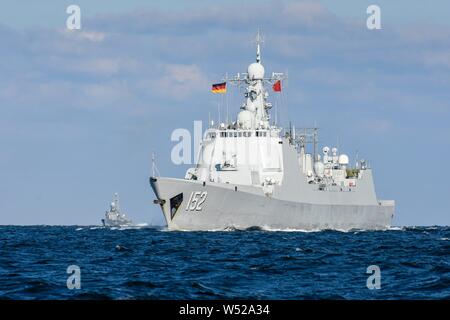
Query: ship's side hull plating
{"type": "Point", "coordinates": [192, 205]}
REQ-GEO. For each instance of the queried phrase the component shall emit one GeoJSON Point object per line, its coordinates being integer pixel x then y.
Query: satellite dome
{"type": "Point", "coordinates": [343, 159]}
{"type": "Point", "coordinates": [325, 150]}
{"type": "Point", "coordinates": [255, 71]}
{"type": "Point", "coordinates": [245, 119]}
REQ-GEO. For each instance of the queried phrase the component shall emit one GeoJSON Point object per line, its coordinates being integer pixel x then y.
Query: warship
{"type": "Point", "coordinates": [114, 217]}
{"type": "Point", "coordinates": [251, 173]}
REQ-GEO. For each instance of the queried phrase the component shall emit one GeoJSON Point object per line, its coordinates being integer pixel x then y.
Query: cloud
{"type": "Point", "coordinates": [92, 36]}
{"type": "Point", "coordinates": [110, 92]}
{"type": "Point", "coordinates": [157, 53]}
{"type": "Point", "coordinates": [279, 14]}
{"type": "Point", "coordinates": [181, 81]}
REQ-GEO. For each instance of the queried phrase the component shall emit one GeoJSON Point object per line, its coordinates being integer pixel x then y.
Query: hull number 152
{"type": "Point", "coordinates": [196, 201]}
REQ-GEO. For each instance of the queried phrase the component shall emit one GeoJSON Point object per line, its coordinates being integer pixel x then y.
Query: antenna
{"type": "Point", "coordinates": [226, 99]}
{"type": "Point", "coordinates": [209, 119]}
{"type": "Point", "coordinates": [155, 171]}
{"type": "Point", "coordinates": [218, 109]}
{"type": "Point", "coordinates": [276, 111]}
{"type": "Point", "coordinates": [315, 141]}
{"type": "Point", "coordinates": [116, 201]}
{"type": "Point", "coordinates": [259, 40]}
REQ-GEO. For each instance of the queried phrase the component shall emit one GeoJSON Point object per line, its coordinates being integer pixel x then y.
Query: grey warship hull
{"type": "Point", "coordinates": [294, 205]}
{"type": "Point", "coordinates": [226, 208]}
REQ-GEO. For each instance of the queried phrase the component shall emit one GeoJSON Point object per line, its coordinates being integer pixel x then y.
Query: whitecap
{"type": "Point", "coordinates": [141, 225]}
{"type": "Point", "coordinates": [396, 228]}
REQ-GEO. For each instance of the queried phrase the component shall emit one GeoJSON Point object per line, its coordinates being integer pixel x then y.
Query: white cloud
{"type": "Point", "coordinates": [180, 81]}
{"type": "Point", "coordinates": [105, 66]}
{"type": "Point", "coordinates": [92, 36]}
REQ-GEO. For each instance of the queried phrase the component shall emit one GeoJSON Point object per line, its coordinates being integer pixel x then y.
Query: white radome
{"type": "Point", "coordinates": [245, 119]}
{"type": "Point", "coordinates": [343, 159]}
{"type": "Point", "coordinates": [255, 71]}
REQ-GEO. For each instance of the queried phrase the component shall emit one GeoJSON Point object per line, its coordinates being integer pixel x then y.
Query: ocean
{"type": "Point", "coordinates": [153, 263]}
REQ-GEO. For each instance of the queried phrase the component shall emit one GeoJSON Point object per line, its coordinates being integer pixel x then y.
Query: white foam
{"type": "Point", "coordinates": [265, 228]}
{"type": "Point", "coordinates": [142, 225]}
{"type": "Point", "coordinates": [270, 229]}
{"type": "Point", "coordinates": [396, 228]}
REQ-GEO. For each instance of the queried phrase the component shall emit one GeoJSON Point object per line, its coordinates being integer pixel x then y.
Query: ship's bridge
{"type": "Point", "coordinates": [211, 134]}
{"type": "Point", "coordinates": [240, 156]}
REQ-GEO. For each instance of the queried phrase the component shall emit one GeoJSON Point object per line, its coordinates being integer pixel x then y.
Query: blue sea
{"type": "Point", "coordinates": [152, 263]}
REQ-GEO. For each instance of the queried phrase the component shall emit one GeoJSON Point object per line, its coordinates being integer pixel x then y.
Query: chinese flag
{"type": "Point", "coordinates": [277, 86]}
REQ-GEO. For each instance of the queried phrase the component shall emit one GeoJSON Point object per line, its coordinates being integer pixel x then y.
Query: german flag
{"type": "Point", "coordinates": [219, 88]}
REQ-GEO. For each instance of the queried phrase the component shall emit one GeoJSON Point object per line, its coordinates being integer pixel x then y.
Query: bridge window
{"type": "Point", "coordinates": [223, 134]}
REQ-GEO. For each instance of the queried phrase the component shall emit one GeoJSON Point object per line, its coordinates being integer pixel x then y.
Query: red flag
{"type": "Point", "coordinates": [277, 86]}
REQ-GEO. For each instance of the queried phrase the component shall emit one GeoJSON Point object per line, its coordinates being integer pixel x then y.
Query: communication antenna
{"type": "Point", "coordinates": [116, 201]}
{"type": "Point", "coordinates": [315, 141]}
{"type": "Point", "coordinates": [259, 40]}
{"type": "Point", "coordinates": [226, 100]}
{"type": "Point", "coordinates": [155, 172]}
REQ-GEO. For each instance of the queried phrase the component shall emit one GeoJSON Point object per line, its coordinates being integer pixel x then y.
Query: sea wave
{"type": "Point", "coordinates": [150, 263]}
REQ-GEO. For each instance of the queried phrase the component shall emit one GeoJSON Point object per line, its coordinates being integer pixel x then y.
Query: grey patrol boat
{"type": "Point", "coordinates": [251, 173]}
{"type": "Point", "coordinates": [114, 217]}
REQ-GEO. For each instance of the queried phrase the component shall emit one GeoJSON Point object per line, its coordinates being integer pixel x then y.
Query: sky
{"type": "Point", "coordinates": [83, 110]}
